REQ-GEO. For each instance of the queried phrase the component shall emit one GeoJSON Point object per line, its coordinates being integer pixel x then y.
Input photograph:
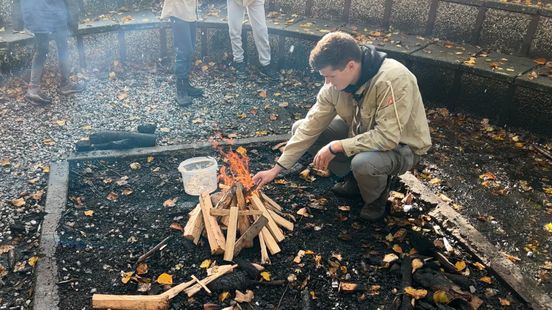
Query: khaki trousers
{"type": "Point", "coordinates": [370, 169]}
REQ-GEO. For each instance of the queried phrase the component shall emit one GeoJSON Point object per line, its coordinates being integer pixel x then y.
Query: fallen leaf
{"type": "Point", "coordinates": [397, 248]}
{"type": "Point", "coordinates": [344, 208]}
{"type": "Point", "coordinates": [280, 182]}
{"type": "Point", "coordinates": [5, 248]}
{"type": "Point", "coordinates": [164, 129]}
{"type": "Point", "coordinates": [416, 293]}
{"type": "Point", "coordinates": [548, 227]}
{"type": "Point", "coordinates": [125, 277]}
{"type": "Point", "coordinates": [48, 142]}
{"type": "Point", "coordinates": [164, 279]}
{"type": "Point", "coordinates": [417, 264]}
{"type": "Point", "coordinates": [504, 301]}
{"type": "Point", "coordinates": [112, 196]}
{"type": "Point", "coordinates": [540, 61]}
{"type": "Point", "coordinates": [135, 166]}
{"type": "Point", "coordinates": [303, 212]}
{"type": "Point", "coordinates": [144, 287]}
{"type": "Point", "coordinates": [487, 176]}
{"type": "Point", "coordinates": [169, 203]}
{"type": "Point", "coordinates": [4, 162]}
{"type": "Point", "coordinates": [32, 261]}
{"type": "Point", "coordinates": [19, 202]}
{"type": "Point", "coordinates": [513, 259]}
{"type": "Point", "coordinates": [89, 212]}
{"type": "Point", "coordinates": [265, 275]}
{"type": "Point", "coordinates": [260, 133]}
{"type": "Point", "coordinates": [122, 95]}
{"type": "Point", "coordinates": [241, 150]}
{"type": "Point", "coordinates": [223, 296]}
{"type": "Point", "coordinates": [241, 297]}
{"type": "Point", "coordinates": [177, 226]}
{"type": "Point", "coordinates": [60, 122]}
{"type": "Point", "coordinates": [389, 258]}
{"type": "Point", "coordinates": [479, 266]}
{"type": "Point", "coordinates": [263, 93]}
{"type": "Point", "coordinates": [313, 295]}
{"type": "Point", "coordinates": [142, 268]}
{"type": "Point", "coordinates": [299, 256]}
{"type": "Point", "coordinates": [283, 104]}
{"type": "Point", "coordinates": [149, 159]}
{"type": "Point", "coordinates": [205, 264]}
{"type": "Point", "coordinates": [486, 279]}
{"type": "Point", "coordinates": [460, 265]}
{"type": "Point", "coordinates": [441, 297]}
{"type": "Point", "coordinates": [292, 278]}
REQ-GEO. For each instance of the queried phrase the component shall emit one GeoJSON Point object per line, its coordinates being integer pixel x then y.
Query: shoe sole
{"type": "Point", "coordinates": [65, 93]}
{"type": "Point", "coordinates": [37, 101]}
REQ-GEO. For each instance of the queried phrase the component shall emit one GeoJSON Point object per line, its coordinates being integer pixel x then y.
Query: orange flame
{"type": "Point", "coordinates": [238, 164]}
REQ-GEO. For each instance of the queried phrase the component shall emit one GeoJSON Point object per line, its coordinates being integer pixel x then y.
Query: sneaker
{"type": "Point", "coordinates": [72, 88]}
{"type": "Point", "coordinates": [270, 72]}
{"type": "Point", "coordinates": [376, 210]}
{"type": "Point", "coordinates": [36, 96]}
{"type": "Point", "coordinates": [347, 188]}
{"type": "Point", "coordinates": [240, 68]}
{"type": "Point", "coordinates": [182, 97]}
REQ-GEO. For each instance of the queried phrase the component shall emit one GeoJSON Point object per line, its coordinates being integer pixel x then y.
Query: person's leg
{"type": "Point", "coordinates": [257, 18]}
{"type": "Point", "coordinates": [182, 48]}
{"type": "Point", "coordinates": [67, 86]}
{"type": "Point", "coordinates": [337, 130]}
{"type": "Point", "coordinates": [192, 91]}
{"type": "Point", "coordinates": [235, 19]}
{"type": "Point", "coordinates": [372, 170]}
{"type": "Point", "coordinates": [37, 67]}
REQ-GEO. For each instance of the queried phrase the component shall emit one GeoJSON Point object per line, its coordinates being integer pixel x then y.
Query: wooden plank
{"type": "Point", "coordinates": [240, 200]}
{"type": "Point", "coordinates": [265, 259]}
{"type": "Point", "coordinates": [243, 226]}
{"type": "Point", "coordinates": [214, 234]}
{"type": "Point", "coordinates": [231, 234]}
{"type": "Point", "coordinates": [194, 226]}
{"type": "Point", "coordinates": [226, 212]}
{"type": "Point", "coordinates": [221, 270]}
{"type": "Point", "coordinates": [270, 242]}
{"type": "Point", "coordinates": [272, 226]}
{"type": "Point", "coordinates": [250, 234]}
{"type": "Point", "coordinates": [130, 302]}
{"type": "Point", "coordinates": [281, 221]}
{"type": "Point", "coordinates": [271, 203]}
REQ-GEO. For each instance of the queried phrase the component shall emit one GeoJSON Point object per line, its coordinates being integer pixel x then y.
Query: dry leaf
{"type": "Point", "coordinates": [165, 279]}
{"type": "Point", "coordinates": [416, 293]}
{"type": "Point", "coordinates": [177, 226]}
{"type": "Point", "coordinates": [417, 264]}
{"type": "Point", "coordinates": [89, 212]}
{"type": "Point", "coordinates": [205, 264]}
{"type": "Point", "coordinates": [460, 265]}
{"type": "Point", "coordinates": [112, 196]}
{"type": "Point", "coordinates": [127, 191]}
{"type": "Point", "coordinates": [223, 296]}
{"type": "Point", "coordinates": [19, 202]}
{"type": "Point", "coordinates": [32, 261]}
{"type": "Point", "coordinates": [265, 275]}
{"type": "Point", "coordinates": [142, 268]}
{"type": "Point", "coordinates": [479, 266]}
{"type": "Point", "coordinates": [344, 208]}
{"type": "Point", "coordinates": [389, 258]}
{"type": "Point", "coordinates": [149, 159]}
{"type": "Point", "coordinates": [504, 301]}
{"type": "Point", "coordinates": [299, 256]}
{"type": "Point", "coordinates": [5, 248]}
{"type": "Point", "coordinates": [125, 277]}
{"type": "Point", "coordinates": [122, 95]}
{"type": "Point", "coordinates": [135, 166]}
{"type": "Point", "coordinates": [397, 248]}
{"type": "Point", "coordinates": [169, 203]}
{"type": "Point", "coordinates": [241, 297]}
{"type": "Point", "coordinates": [441, 297]}
{"type": "Point", "coordinates": [60, 122]}
{"type": "Point", "coordinates": [262, 93]}
{"type": "Point", "coordinates": [283, 104]}
{"type": "Point", "coordinates": [303, 212]}
{"type": "Point", "coordinates": [4, 162]}
{"type": "Point", "coordinates": [486, 279]}
{"type": "Point", "coordinates": [241, 150]}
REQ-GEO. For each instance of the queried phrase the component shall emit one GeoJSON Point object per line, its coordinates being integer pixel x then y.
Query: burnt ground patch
{"type": "Point", "coordinates": [129, 218]}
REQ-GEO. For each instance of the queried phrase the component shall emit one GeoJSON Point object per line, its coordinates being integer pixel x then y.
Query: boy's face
{"type": "Point", "coordinates": [339, 78]}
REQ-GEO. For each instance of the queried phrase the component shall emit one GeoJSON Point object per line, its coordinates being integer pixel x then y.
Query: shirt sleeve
{"type": "Point", "coordinates": [317, 120]}
{"type": "Point", "coordinates": [390, 117]}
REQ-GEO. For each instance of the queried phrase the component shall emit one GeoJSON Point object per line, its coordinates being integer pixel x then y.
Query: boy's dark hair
{"type": "Point", "coordinates": [335, 49]}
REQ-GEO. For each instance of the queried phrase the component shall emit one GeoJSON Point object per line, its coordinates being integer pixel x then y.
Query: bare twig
{"type": "Point", "coordinates": [543, 152]}
{"type": "Point", "coordinates": [150, 252]}
{"type": "Point", "coordinates": [282, 297]}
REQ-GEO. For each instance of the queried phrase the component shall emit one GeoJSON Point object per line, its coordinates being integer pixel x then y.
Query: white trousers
{"type": "Point", "coordinates": [257, 18]}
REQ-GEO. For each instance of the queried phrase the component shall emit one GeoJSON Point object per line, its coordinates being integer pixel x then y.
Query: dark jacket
{"type": "Point", "coordinates": [44, 16]}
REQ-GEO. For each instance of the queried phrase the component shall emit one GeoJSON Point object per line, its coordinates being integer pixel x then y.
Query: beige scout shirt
{"type": "Point", "coordinates": [400, 117]}
{"type": "Point", "coordinates": [185, 10]}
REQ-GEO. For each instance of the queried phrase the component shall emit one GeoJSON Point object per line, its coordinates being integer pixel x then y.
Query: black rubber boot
{"type": "Point", "coordinates": [376, 210]}
{"type": "Point", "coordinates": [182, 97]}
{"type": "Point", "coordinates": [192, 91]}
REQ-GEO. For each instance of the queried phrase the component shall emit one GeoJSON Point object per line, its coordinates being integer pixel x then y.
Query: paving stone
{"type": "Point", "coordinates": [367, 12]}
{"type": "Point", "coordinates": [504, 31]}
{"type": "Point", "coordinates": [140, 20]}
{"type": "Point", "coordinates": [445, 53]}
{"type": "Point", "coordinates": [312, 28]}
{"type": "Point", "coordinates": [98, 26]}
{"type": "Point", "coordinates": [542, 42]}
{"type": "Point", "coordinates": [288, 6]}
{"type": "Point", "coordinates": [410, 16]}
{"type": "Point", "coordinates": [399, 45]}
{"type": "Point", "coordinates": [9, 37]}
{"type": "Point", "coordinates": [328, 9]}
{"type": "Point", "coordinates": [455, 21]}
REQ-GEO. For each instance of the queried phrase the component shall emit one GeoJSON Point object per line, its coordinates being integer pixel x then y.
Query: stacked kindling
{"type": "Point", "coordinates": [245, 215]}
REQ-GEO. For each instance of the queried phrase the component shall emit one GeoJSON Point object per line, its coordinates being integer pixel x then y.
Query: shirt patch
{"type": "Point", "coordinates": [388, 101]}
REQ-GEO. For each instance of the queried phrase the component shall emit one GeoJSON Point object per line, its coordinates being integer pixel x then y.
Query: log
{"type": "Point", "coordinates": [231, 234]}
{"type": "Point", "coordinates": [265, 259]}
{"type": "Point", "coordinates": [222, 270]}
{"type": "Point", "coordinates": [271, 202]}
{"type": "Point", "coordinates": [214, 234]}
{"type": "Point", "coordinates": [250, 234]}
{"type": "Point", "coordinates": [194, 226]}
{"type": "Point", "coordinates": [139, 139]}
{"type": "Point", "coordinates": [281, 221]}
{"type": "Point", "coordinates": [240, 199]}
{"type": "Point", "coordinates": [272, 226]}
{"type": "Point", "coordinates": [130, 302]}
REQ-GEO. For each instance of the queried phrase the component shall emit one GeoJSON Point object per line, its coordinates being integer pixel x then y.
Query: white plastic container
{"type": "Point", "coordinates": [199, 174]}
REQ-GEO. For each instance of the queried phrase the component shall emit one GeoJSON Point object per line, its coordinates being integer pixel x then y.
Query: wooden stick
{"type": "Point", "coordinates": [231, 234]}
{"type": "Point", "coordinates": [222, 270]}
{"type": "Point", "coordinates": [272, 226]}
{"type": "Point", "coordinates": [202, 285]}
{"type": "Point", "coordinates": [226, 212]}
{"type": "Point", "coordinates": [239, 196]}
{"type": "Point", "coordinates": [152, 250]}
{"type": "Point", "coordinates": [194, 226]}
{"type": "Point", "coordinates": [130, 302]}
{"type": "Point", "coordinates": [281, 221]}
{"type": "Point", "coordinates": [543, 152]}
{"type": "Point", "coordinates": [270, 242]}
{"type": "Point", "coordinates": [214, 234]}
{"type": "Point", "coordinates": [271, 202]}
{"type": "Point", "coordinates": [265, 259]}
{"type": "Point", "coordinates": [250, 234]}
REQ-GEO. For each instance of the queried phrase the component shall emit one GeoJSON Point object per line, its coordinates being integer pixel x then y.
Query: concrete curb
{"type": "Point", "coordinates": [477, 244]}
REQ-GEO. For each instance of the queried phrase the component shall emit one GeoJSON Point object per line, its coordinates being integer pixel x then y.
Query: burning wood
{"type": "Point", "coordinates": [243, 210]}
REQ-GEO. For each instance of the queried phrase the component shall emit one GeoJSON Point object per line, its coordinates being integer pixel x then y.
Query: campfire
{"type": "Point", "coordinates": [241, 209]}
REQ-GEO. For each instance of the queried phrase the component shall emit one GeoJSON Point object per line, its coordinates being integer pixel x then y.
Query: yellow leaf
{"type": "Point", "coordinates": [397, 248]}
{"type": "Point", "coordinates": [309, 252]}
{"type": "Point", "coordinates": [261, 133]}
{"type": "Point", "coordinates": [417, 264]}
{"type": "Point", "coordinates": [470, 61]}
{"type": "Point", "coordinates": [548, 190]}
{"type": "Point", "coordinates": [60, 122]}
{"type": "Point", "coordinates": [48, 142]}
{"type": "Point", "coordinates": [417, 294]}
{"type": "Point", "coordinates": [504, 301]}
{"type": "Point", "coordinates": [460, 265]}
{"type": "Point", "coordinates": [32, 261]}
{"type": "Point", "coordinates": [265, 275]}
{"type": "Point", "coordinates": [169, 203]}
{"type": "Point", "coordinates": [142, 268]}
{"type": "Point", "coordinates": [150, 159]}
{"type": "Point", "coordinates": [205, 264]}
{"type": "Point", "coordinates": [313, 295]}
{"type": "Point", "coordinates": [223, 296]}
{"type": "Point", "coordinates": [548, 227]}
{"type": "Point", "coordinates": [165, 279]}
{"type": "Point", "coordinates": [513, 259]}
{"type": "Point", "coordinates": [241, 150]}
{"type": "Point", "coordinates": [441, 297]}
{"type": "Point", "coordinates": [281, 182]}
{"type": "Point", "coordinates": [89, 212]}
{"type": "Point", "coordinates": [126, 277]}
{"type": "Point", "coordinates": [486, 279]}
{"type": "Point", "coordinates": [479, 266]}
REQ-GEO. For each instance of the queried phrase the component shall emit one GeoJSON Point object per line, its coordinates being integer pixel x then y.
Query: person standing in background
{"type": "Point", "coordinates": [183, 17]}
{"type": "Point", "coordinates": [49, 19]}
{"type": "Point", "coordinates": [256, 12]}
